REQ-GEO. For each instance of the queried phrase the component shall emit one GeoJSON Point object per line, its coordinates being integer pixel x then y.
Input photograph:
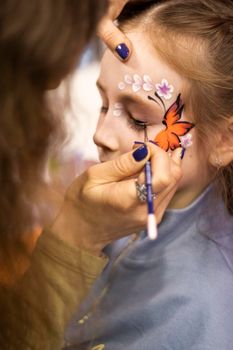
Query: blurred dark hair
{"type": "Point", "coordinates": [40, 43]}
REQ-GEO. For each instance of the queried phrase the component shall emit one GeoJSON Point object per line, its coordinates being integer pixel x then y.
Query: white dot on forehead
{"type": "Point", "coordinates": [121, 86]}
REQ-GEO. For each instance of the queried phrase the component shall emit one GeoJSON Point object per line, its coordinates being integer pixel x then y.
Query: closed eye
{"type": "Point", "coordinates": [136, 124]}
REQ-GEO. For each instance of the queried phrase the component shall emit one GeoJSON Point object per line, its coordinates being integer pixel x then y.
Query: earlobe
{"type": "Point", "coordinates": [222, 154]}
{"type": "Point", "coordinates": [221, 158]}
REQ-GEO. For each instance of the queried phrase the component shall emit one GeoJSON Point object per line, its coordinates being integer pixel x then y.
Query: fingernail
{"type": "Point", "coordinates": [123, 51]}
{"type": "Point", "coordinates": [138, 143]}
{"type": "Point", "coordinates": [182, 153]}
{"type": "Point", "coordinates": [140, 153]}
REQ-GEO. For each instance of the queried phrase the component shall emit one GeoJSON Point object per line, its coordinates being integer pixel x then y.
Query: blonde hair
{"type": "Point", "coordinates": [195, 37]}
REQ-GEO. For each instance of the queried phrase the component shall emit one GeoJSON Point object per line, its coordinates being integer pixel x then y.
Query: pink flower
{"type": "Point", "coordinates": [186, 141]}
{"type": "Point", "coordinates": [164, 89]}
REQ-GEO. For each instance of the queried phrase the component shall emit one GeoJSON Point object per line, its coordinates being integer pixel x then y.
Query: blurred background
{"type": "Point", "coordinates": [81, 113]}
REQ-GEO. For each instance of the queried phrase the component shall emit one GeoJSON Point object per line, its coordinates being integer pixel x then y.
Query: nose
{"type": "Point", "coordinates": [105, 136]}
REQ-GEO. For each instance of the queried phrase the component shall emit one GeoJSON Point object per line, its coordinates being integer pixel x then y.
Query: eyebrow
{"type": "Point", "coordinates": [135, 99]}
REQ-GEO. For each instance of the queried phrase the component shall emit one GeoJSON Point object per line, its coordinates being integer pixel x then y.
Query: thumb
{"type": "Point", "coordinates": [120, 168]}
{"type": "Point", "coordinates": [115, 39]}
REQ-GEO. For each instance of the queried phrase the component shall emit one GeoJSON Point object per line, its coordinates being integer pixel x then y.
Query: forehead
{"type": "Point", "coordinates": [144, 61]}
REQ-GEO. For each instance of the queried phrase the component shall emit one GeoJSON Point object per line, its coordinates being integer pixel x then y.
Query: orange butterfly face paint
{"type": "Point", "coordinates": [169, 139]}
{"type": "Point", "coordinates": [176, 132]}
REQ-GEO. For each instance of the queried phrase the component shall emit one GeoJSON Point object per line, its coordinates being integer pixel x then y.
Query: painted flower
{"type": "Point", "coordinates": [164, 89]}
{"type": "Point", "coordinates": [137, 83]}
{"type": "Point", "coordinates": [148, 83]}
{"type": "Point", "coordinates": [186, 141]}
{"type": "Point", "coordinates": [128, 79]}
{"type": "Point", "coordinates": [145, 82]}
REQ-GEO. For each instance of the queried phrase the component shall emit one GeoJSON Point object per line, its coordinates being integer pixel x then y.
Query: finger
{"type": "Point", "coordinates": [120, 168]}
{"type": "Point", "coordinates": [161, 168]}
{"type": "Point", "coordinates": [177, 156]}
{"type": "Point", "coordinates": [115, 39]}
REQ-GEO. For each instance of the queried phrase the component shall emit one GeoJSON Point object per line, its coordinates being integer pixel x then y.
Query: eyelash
{"type": "Point", "coordinates": [133, 123]}
{"type": "Point", "coordinates": [136, 124]}
{"type": "Point", "coordinates": [103, 109]}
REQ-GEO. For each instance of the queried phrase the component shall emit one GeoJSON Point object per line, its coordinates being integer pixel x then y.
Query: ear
{"type": "Point", "coordinates": [222, 154]}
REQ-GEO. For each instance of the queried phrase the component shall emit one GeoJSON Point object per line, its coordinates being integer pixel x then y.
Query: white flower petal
{"type": "Point", "coordinates": [167, 96]}
{"type": "Point", "coordinates": [128, 79]}
{"type": "Point", "coordinates": [147, 79]}
{"type": "Point", "coordinates": [160, 93]}
{"type": "Point", "coordinates": [171, 87]}
{"type": "Point", "coordinates": [136, 87]}
{"type": "Point", "coordinates": [148, 87]}
{"type": "Point", "coordinates": [164, 82]}
{"type": "Point", "coordinates": [137, 79]}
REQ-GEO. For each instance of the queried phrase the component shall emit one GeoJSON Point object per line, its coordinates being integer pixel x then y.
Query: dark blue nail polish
{"type": "Point", "coordinates": [123, 51]}
{"type": "Point", "coordinates": [140, 153]}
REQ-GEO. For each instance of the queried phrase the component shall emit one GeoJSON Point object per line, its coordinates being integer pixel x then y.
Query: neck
{"type": "Point", "coordinates": [184, 197]}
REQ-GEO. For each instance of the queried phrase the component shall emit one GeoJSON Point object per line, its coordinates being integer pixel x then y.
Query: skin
{"type": "Point", "coordinates": [115, 135]}
{"type": "Point", "coordinates": [108, 31]}
{"type": "Point", "coordinates": [109, 188]}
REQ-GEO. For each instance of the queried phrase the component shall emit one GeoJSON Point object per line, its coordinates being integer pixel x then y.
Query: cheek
{"type": "Point", "coordinates": [152, 131]}
{"type": "Point", "coordinates": [194, 165]}
{"type": "Point", "coordinates": [128, 138]}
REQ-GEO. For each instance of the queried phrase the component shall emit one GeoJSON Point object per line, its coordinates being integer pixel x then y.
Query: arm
{"type": "Point", "coordinates": [68, 259]}
{"type": "Point", "coordinates": [39, 307]}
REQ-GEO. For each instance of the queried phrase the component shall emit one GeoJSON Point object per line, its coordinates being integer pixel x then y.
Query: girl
{"type": "Point", "coordinates": [175, 292]}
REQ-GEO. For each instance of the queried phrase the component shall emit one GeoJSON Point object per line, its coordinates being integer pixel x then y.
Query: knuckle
{"type": "Point", "coordinates": [122, 166]}
{"type": "Point", "coordinates": [163, 181]}
{"type": "Point", "coordinates": [108, 35]}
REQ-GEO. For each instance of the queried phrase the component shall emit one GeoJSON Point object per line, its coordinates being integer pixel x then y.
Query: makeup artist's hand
{"type": "Point", "coordinates": [101, 205]}
{"type": "Point", "coordinates": [116, 40]}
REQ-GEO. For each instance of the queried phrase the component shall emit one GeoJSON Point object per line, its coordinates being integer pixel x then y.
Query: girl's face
{"type": "Point", "coordinates": [143, 90]}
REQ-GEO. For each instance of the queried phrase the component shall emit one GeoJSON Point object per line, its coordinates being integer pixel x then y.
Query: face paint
{"type": "Point", "coordinates": [118, 109]}
{"type": "Point", "coordinates": [169, 139]}
{"type": "Point", "coordinates": [145, 83]}
{"type": "Point", "coordinates": [164, 89]}
{"type": "Point", "coordinates": [121, 86]}
{"type": "Point", "coordinates": [186, 141]}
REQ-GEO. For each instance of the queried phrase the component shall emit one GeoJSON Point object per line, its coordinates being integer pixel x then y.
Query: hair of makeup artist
{"type": "Point", "coordinates": [175, 28]}
{"type": "Point", "coordinates": [40, 42]}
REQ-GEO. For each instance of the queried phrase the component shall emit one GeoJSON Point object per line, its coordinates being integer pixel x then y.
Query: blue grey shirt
{"type": "Point", "coordinates": [175, 293]}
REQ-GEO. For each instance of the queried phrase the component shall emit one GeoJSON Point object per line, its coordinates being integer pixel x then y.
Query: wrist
{"type": "Point", "coordinates": [74, 231]}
